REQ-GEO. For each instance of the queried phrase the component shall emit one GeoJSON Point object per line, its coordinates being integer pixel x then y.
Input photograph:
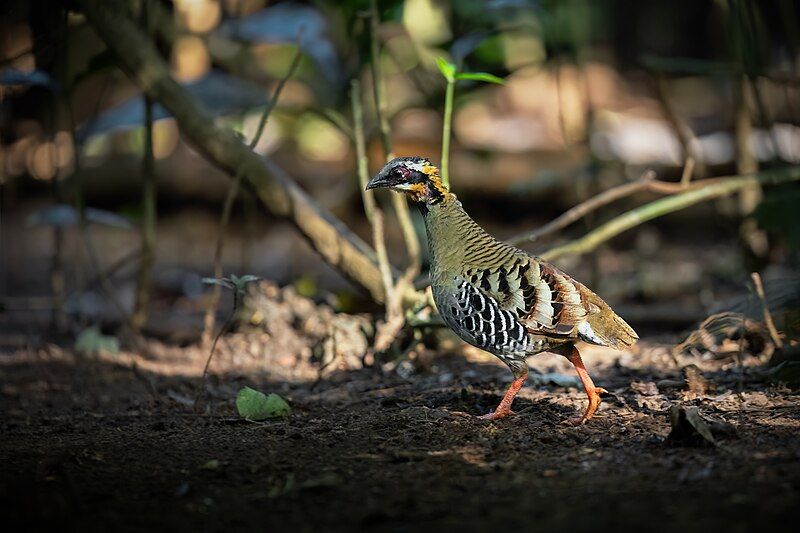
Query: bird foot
{"type": "Point", "coordinates": [497, 415]}
{"type": "Point", "coordinates": [594, 403]}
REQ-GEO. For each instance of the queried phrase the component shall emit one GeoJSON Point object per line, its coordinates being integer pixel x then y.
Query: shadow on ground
{"type": "Point", "coordinates": [95, 445]}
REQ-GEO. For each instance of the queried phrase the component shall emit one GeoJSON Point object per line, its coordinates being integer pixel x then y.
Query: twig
{"type": "Point", "coordinates": [224, 329]}
{"type": "Point", "coordinates": [683, 132]}
{"type": "Point", "coordinates": [137, 56]}
{"type": "Point", "coordinates": [579, 211]}
{"type": "Point", "coordinates": [773, 331]}
{"type": "Point", "coordinates": [699, 192]}
{"type": "Point", "coordinates": [210, 317]}
{"type": "Point", "coordinates": [373, 212]}
{"type": "Point", "coordinates": [147, 258]}
{"type": "Point", "coordinates": [394, 311]}
{"type": "Point", "coordinates": [399, 201]}
{"type": "Point", "coordinates": [688, 171]}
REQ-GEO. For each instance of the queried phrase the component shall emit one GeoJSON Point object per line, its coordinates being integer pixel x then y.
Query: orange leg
{"type": "Point", "coordinates": [504, 409]}
{"type": "Point", "coordinates": [588, 385]}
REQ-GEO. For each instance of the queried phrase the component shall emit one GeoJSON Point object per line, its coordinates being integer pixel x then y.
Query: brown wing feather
{"type": "Point", "coordinates": [550, 303]}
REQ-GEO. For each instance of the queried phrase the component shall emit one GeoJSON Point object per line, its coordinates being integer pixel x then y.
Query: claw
{"type": "Point", "coordinates": [497, 415]}
{"type": "Point", "coordinates": [594, 403]}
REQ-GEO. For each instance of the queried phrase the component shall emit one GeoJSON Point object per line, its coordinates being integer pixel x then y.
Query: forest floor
{"type": "Point", "coordinates": [113, 442]}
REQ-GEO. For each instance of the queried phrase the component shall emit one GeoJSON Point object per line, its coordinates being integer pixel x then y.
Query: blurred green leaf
{"type": "Point", "coordinates": [234, 283]}
{"type": "Point", "coordinates": [212, 464]}
{"type": "Point", "coordinates": [92, 342]}
{"type": "Point", "coordinates": [255, 405]}
{"type": "Point", "coordinates": [480, 76]}
{"type": "Point", "coordinates": [447, 69]}
{"type": "Point", "coordinates": [778, 213]}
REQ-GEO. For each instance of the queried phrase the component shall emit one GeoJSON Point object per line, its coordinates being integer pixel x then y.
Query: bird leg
{"type": "Point", "coordinates": [588, 385]}
{"type": "Point", "coordinates": [504, 409]}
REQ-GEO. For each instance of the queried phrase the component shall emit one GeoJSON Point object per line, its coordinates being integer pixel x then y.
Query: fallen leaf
{"type": "Point", "coordinates": [255, 405]}
{"type": "Point", "coordinates": [689, 428]}
{"type": "Point", "coordinates": [647, 388]}
{"type": "Point", "coordinates": [213, 464]}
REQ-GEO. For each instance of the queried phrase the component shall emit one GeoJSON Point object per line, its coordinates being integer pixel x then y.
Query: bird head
{"type": "Point", "coordinates": [414, 176]}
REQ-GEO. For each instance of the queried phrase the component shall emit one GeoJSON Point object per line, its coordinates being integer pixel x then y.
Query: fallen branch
{"type": "Point", "coordinates": [138, 57]}
{"type": "Point", "coordinates": [698, 192]}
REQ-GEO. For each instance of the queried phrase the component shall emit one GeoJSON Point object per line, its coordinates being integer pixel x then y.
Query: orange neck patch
{"type": "Point", "coordinates": [436, 181]}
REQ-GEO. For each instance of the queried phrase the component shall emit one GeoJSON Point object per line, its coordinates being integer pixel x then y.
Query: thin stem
{"type": "Point", "coordinates": [446, 126]}
{"type": "Point", "coordinates": [686, 137]}
{"type": "Point", "coordinates": [373, 212]}
{"type": "Point", "coordinates": [209, 318]}
{"type": "Point", "coordinates": [224, 329]}
{"type": "Point", "coordinates": [773, 331]}
{"type": "Point", "coordinates": [579, 211]}
{"type": "Point", "coordinates": [663, 206]}
{"type": "Point", "coordinates": [399, 201]}
{"type": "Point", "coordinates": [145, 279]}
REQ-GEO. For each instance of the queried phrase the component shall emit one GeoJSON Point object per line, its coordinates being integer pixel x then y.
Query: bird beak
{"type": "Point", "coordinates": [380, 180]}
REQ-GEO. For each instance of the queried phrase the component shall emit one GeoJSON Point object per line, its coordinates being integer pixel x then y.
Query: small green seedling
{"type": "Point", "coordinates": [451, 74]}
{"type": "Point", "coordinates": [237, 285]}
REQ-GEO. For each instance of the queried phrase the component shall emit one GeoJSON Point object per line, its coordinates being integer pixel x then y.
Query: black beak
{"type": "Point", "coordinates": [381, 179]}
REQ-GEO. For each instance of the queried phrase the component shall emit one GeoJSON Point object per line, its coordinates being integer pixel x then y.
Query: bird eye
{"type": "Point", "coordinates": [400, 172]}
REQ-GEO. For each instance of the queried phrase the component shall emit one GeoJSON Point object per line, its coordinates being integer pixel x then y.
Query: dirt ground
{"type": "Point", "coordinates": [95, 443]}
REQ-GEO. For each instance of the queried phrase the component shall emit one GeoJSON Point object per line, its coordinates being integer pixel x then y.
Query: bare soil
{"type": "Point", "coordinates": [95, 443]}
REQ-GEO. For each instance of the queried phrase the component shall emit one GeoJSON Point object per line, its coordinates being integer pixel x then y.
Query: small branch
{"type": "Point", "coordinates": [688, 172]}
{"type": "Point", "coordinates": [373, 212]}
{"type": "Point", "coordinates": [773, 331]}
{"type": "Point", "coordinates": [686, 137]}
{"type": "Point", "coordinates": [387, 331]}
{"type": "Point", "coordinates": [224, 329]}
{"type": "Point", "coordinates": [581, 210]}
{"type": "Point", "coordinates": [210, 318]}
{"type": "Point", "coordinates": [147, 259]}
{"type": "Point", "coordinates": [719, 187]}
{"type": "Point", "coordinates": [399, 201]}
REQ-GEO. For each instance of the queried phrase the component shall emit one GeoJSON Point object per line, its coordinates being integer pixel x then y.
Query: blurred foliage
{"type": "Point", "coordinates": [778, 213]}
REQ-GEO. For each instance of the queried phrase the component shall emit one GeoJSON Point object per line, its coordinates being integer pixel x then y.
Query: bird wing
{"type": "Point", "coordinates": [545, 300]}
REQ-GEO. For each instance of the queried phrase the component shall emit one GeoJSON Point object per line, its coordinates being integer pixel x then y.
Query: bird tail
{"type": "Point", "coordinates": [608, 328]}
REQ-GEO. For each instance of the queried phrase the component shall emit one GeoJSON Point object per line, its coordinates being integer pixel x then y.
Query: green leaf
{"type": "Point", "coordinates": [92, 342]}
{"type": "Point", "coordinates": [447, 69]}
{"type": "Point", "coordinates": [255, 405]}
{"type": "Point", "coordinates": [222, 282]}
{"type": "Point", "coordinates": [480, 76]}
{"type": "Point", "coordinates": [212, 464]}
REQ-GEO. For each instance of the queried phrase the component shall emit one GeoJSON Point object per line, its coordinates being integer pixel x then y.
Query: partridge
{"type": "Point", "coordinates": [500, 298]}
